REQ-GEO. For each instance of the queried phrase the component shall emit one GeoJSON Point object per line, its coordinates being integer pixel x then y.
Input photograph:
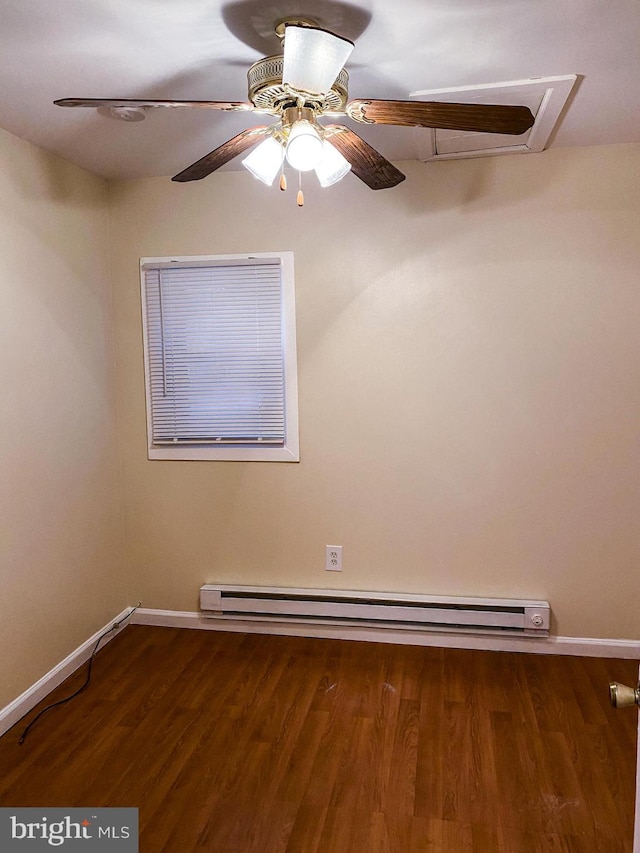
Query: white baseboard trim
{"type": "Point", "coordinates": [14, 711]}
{"type": "Point", "coordinates": [578, 646]}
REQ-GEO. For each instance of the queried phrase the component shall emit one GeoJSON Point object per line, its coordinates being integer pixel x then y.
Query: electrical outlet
{"type": "Point", "coordinates": [333, 558]}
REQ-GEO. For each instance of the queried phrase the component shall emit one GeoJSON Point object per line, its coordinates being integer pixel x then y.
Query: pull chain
{"type": "Point", "coordinates": [300, 196]}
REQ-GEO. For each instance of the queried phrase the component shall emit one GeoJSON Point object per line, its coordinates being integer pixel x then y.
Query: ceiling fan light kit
{"type": "Point", "coordinates": [307, 82]}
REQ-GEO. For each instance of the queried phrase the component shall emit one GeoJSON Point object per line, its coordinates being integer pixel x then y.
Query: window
{"type": "Point", "coordinates": [220, 357]}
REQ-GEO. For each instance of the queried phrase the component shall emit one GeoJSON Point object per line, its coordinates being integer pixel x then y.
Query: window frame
{"type": "Point", "coordinates": [290, 450]}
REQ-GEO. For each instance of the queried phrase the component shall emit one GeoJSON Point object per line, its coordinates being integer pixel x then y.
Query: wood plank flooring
{"type": "Point", "coordinates": [233, 743]}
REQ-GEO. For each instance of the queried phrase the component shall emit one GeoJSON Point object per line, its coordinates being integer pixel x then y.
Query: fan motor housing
{"type": "Point", "coordinates": [268, 93]}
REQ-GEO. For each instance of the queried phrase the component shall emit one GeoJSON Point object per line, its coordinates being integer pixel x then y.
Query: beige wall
{"type": "Point", "coordinates": [469, 373]}
{"type": "Point", "coordinates": [61, 556]}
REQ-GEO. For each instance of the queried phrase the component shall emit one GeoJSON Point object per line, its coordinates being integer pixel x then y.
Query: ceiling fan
{"type": "Point", "coordinates": [307, 82]}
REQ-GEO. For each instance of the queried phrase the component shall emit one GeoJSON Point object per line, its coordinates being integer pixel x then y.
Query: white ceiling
{"type": "Point", "coordinates": [200, 50]}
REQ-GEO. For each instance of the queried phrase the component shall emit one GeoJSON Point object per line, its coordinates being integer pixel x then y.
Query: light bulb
{"type": "Point", "coordinates": [304, 148]}
{"type": "Point", "coordinates": [264, 162]}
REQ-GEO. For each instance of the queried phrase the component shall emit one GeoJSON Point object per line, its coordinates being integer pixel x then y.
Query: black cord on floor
{"type": "Point", "coordinates": [114, 627]}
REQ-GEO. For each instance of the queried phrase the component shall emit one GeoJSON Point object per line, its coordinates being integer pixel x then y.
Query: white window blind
{"type": "Point", "coordinates": [215, 353]}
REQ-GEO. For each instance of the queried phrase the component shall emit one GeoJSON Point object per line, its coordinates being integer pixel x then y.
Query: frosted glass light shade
{"type": "Point", "coordinates": [332, 167]}
{"type": "Point", "coordinates": [265, 161]}
{"type": "Point", "coordinates": [304, 148]}
{"type": "Point", "coordinates": [313, 58]}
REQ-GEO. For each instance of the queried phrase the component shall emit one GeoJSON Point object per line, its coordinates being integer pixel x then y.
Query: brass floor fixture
{"type": "Point", "coordinates": [622, 696]}
{"type": "Point", "coordinates": [305, 83]}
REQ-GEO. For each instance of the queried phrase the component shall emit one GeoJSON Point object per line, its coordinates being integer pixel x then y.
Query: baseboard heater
{"type": "Point", "coordinates": [375, 609]}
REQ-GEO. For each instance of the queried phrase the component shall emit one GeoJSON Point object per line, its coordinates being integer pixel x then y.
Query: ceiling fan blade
{"type": "Point", "coordinates": [482, 118]}
{"type": "Point", "coordinates": [132, 102]}
{"type": "Point", "coordinates": [366, 163]}
{"type": "Point", "coordinates": [313, 58]}
{"type": "Point", "coordinates": [221, 155]}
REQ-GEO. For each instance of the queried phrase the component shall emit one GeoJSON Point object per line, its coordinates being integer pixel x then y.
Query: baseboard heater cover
{"type": "Point", "coordinates": [379, 609]}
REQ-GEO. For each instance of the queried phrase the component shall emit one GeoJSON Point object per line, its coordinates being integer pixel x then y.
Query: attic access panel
{"type": "Point", "coordinates": [545, 97]}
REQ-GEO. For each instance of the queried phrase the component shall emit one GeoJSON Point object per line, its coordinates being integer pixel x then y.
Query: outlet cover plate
{"type": "Point", "coordinates": [333, 558]}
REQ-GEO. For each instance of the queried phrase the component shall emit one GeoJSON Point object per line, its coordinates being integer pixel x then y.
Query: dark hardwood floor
{"type": "Point", "coordinates": [236, 743]}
